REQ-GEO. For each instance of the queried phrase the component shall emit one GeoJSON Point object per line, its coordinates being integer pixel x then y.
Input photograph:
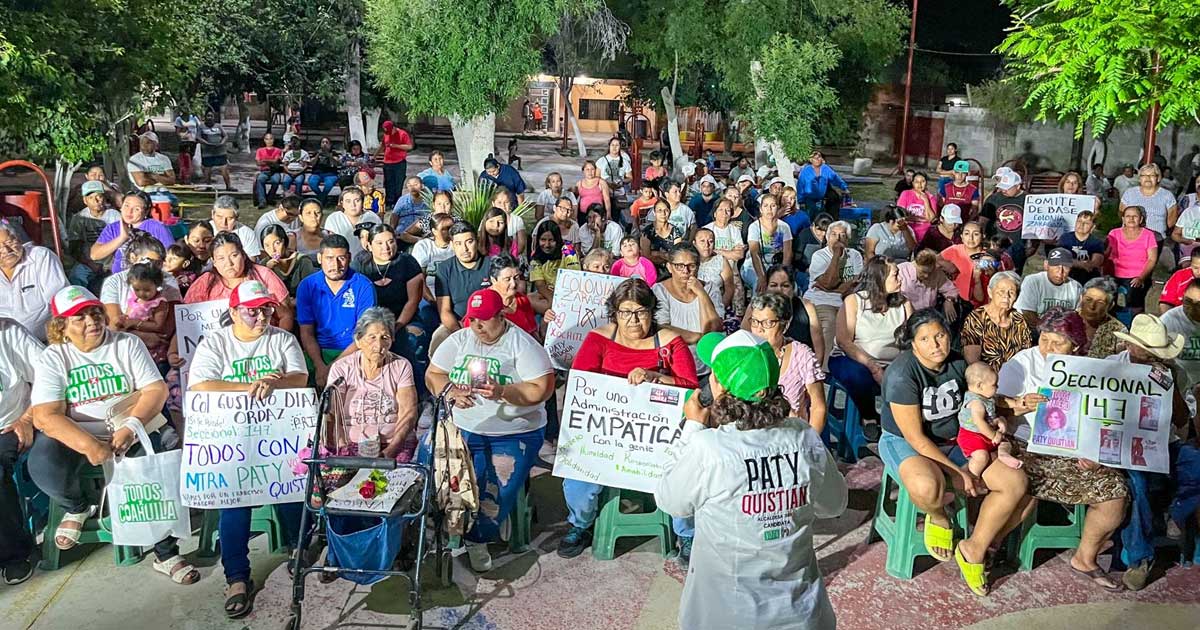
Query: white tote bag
{"type": "Point", "coordinates": [143, 496]}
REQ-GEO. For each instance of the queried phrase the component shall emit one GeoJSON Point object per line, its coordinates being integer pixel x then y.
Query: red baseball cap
{"type": "Point", "coordinates": [387, 125]}
{"type": "Point", "coordinates": [251, 294]}
{"type": "Point", "coordinates": [71, 299]}
{"type": "Point", "coordinates": [484, 304]}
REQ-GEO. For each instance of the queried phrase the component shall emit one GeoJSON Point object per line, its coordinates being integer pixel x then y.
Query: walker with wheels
{"type": "Point", "coordinates": [366, 546]}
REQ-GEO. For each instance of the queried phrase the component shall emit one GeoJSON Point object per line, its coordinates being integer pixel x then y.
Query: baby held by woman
{"type": "Point", "coordinates": [980, 432]}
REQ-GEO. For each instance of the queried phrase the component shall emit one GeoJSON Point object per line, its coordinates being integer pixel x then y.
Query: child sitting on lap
{"type": "Point", "coordinates": [980, 432]}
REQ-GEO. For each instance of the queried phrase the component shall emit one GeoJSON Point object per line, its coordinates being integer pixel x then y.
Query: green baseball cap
{"type": "Point", "coordinates": [743, 363]}
{"type": "Point", "coordinates": [962, 166]}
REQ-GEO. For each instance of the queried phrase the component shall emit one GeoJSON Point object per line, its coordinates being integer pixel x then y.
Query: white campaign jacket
{"type": "Point", "coordinates": [755, 495]}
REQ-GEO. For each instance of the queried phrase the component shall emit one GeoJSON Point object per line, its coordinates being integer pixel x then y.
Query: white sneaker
{"type": "Point", "coordinates": [481, 559]}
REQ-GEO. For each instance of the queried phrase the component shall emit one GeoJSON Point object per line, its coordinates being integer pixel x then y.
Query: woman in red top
{"type": "Point", "coordinates": [506, 279]}
{"type": "Point", "coordinates": [631, 346]}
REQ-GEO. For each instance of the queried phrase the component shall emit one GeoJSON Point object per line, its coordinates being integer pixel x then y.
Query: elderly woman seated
{"type": "Point", "coordinates": [91, 384]}
{"type": "Point", "coordinates": [996, 332]}
{"type": "Point", "coordinates": [1096, 306]}
{"type": "Point", "coordinates": [377, 398]}
{"type": "Point", "coordinates": [1066, 480]}
{"type": "Point", "coordinates": [254, 357]}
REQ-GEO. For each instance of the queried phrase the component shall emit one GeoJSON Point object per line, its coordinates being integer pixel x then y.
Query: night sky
{"type": "Point", "coordinates": [967, 26]}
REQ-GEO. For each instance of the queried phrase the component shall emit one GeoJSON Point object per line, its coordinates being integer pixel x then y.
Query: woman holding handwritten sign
{"type": "Point", "coordinates": [255, 357]}
{"type": "Point", "coordinates": [631, 345]}
{"type": "Point", "coordinates": [1064, 480]}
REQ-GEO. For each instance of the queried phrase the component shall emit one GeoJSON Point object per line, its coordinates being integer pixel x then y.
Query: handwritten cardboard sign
{"type": "Point", "coordinates": [240, 452]}
{"type": "Point", "coordinates": [192, 322]}
{"type": "Point", "coordinates": [616, 434]}
{"type": "Point", "coordinates": [1114, 413]}
{"type": "Point", "coordinates": [579, 306]}
{"type": "Point", "coordinates": [1050, 216]}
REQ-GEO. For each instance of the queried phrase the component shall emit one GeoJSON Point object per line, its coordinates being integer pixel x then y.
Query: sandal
{"type": "Point", "coordinates": [178, 569]}
{"type": "Point", "coordinates": [973, 573]}
{"type": "Point", "coordinates": [239, 605]}
{"type": "Point", "coordinates": [938, 537]}
{"type": "Point", "coordinates": [71, 534]}
{"type": "Point", "coordinates": [1100, 578]}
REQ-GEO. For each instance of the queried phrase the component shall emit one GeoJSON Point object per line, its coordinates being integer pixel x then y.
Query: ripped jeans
{"type": "Point", "coordinates": [502, 464]}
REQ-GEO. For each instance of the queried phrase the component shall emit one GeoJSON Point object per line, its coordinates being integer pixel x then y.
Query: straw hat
{"type": "Point", "coordinates": [1149, 334]}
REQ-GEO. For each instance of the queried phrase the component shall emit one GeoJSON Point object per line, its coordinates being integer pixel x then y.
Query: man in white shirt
{"type": "Point", "coordinates": [1126, 180]}
{"type": "Point", "coordinates": [286, 215]}
{"type": "Point", "coordinates": [19, 353]}
{"type": "Point", "coordinates": [148, 168]}
{"type": "Point", "coordinates": [30, 275]}
{"type": "Point", "coordinates": [225, 219]}
{"type": "Point", "coordinates": [1097, 183]}
{"type": "Point", "coordinates": [833, 270]}
{"type": "Point", "coordinates": [1053, 287]}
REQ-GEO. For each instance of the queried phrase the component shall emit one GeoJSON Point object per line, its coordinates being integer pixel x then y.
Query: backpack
{"type": "Point", "coordinates": [455, 488]}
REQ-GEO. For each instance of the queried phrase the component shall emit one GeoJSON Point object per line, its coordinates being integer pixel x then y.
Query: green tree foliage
{"type": "Point", "coordinates": [275, 46]}
{"type": "Point", "coordinates": [1094, 60]}
{"type": "Point", "coordinates": [71, 71]}
{"type": "Point", "coordinates": [792, 73]}
{"type": "Point", "coordinates": [688, 36]}
{"type": "Point", "coordinates": [462, 58]}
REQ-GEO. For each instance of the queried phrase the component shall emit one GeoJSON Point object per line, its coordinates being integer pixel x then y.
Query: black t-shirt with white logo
{"type": "Point", "coordinates": [1005, 215]}
{"type": "Point", "coordinates": [938, 394]}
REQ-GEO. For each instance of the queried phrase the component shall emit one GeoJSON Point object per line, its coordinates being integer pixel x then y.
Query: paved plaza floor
{"type": "Point", "coordinates": [639, 590]}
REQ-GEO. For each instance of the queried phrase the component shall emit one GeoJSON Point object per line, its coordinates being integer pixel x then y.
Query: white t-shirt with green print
{"type": "Point", "coordinates": [516, 357]}
{"type": "Point", "coordinates": [220, 356]}
{"type": "Point", "coordinates": [93, 382]}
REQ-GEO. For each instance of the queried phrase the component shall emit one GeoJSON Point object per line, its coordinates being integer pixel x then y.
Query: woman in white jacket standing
{"type": "Point", "coordinates": [755, 483]}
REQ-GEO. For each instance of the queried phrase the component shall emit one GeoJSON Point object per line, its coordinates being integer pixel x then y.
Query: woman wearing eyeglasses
{"type": "Point", "coordinates": [630, 346]}
{"type": "Point", "coordinates": [254, 357]}
{"type": "Point", "coordinates": [800, 374]}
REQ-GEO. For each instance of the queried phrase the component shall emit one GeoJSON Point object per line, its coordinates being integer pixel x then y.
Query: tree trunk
{"type": "Point", "coordinates": [241, 136]}
{"type": "Point", "coordinates": [117, 155]}
{"type": "Point", "coordinates": [726, 131]}
{"type": "Point", "coordinates": [474, 139]}
{"type": "Point", "coordinates": [783, 165]}
{"type": "Point", "coordinates": [681, 159]}
{"type": "Point", "coordinates": [1077, 151]}
{"type": "Point", "coordinates": [371, 128]}
{"type": "Point", "coordinates": [61, 188]}
{"type": "Point", "coordinates": [353, 95]}
{"type": "Point", "coordinates": [575, 127]}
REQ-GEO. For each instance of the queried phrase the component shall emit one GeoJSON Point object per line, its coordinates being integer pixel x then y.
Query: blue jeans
{"type": "Point", "coordinates": [583, 506]}
{"type": "Point", "coordinates": [858, 381]}
{"type": "Point", "coordinates": [234, 532]}
{"type": "Point", "coordinates": [415, 348]}
{"type": "Point", "coordinates": [1137, 537]}
{"type": "Point", "coordinates": [516, 455]}
{"type": "Point", "coordinates": [322, 184]}
{"type": "Point", "coordinates": [894, 449]}
{"type": "Point", "coordinates": [294, 183]}
{"type": "Point", "coordinates": [801, 282]}
{"type": "Point", "coordinates": [82, 276]}
{"type": "Point", "coordinates": [260, 185]}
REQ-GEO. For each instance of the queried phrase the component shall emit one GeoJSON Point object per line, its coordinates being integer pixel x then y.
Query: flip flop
{"type": "Point", "coordinates": [241, 604]}
{"type": "Point", "coordinates": [938, 537]}
{"type": "Point", "coordinates": [974, 573]}
{"type": "Point", "coordinates": [1098, 574]}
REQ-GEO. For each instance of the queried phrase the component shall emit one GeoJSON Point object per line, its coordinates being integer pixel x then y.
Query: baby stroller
{"type": "Point", "coordinates": [366, 546]}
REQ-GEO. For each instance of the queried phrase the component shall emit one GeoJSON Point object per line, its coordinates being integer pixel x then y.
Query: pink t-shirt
{"type": "Point", "coordinates": [915, 207]}
{"type": "Point", "coordinates": [1129, 258]}
{"type": "Point", "coordinates": [369, 408]}
{"type": "Point", "coordinates": [644, 269]}
{"type": "Point", "coordinates": [803, 369]}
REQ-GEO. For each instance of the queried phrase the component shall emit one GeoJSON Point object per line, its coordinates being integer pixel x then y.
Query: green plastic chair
{"type": "Point", "coordinates": [96, 530]}
{"type": "Point", "coordinates": [899, 528]}
{"type": "Point", "coordinates": [263, 520]}
{"type": "Point", "coordinates": [613, 524]}
{"type": "Point", "coordinates": [1034, 535]}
